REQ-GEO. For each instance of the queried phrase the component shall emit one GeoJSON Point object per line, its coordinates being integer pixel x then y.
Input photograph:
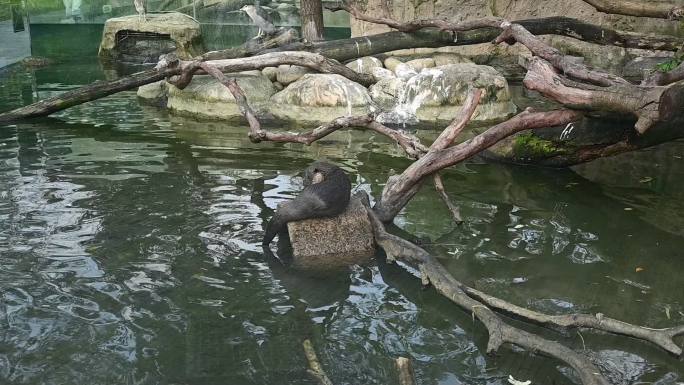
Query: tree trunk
{"type": "Point", "coordinates": [311, 13]}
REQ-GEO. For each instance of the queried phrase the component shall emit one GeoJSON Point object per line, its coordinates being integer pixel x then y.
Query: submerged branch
{"type": "Point", "coordinates": [405, 369]}
{"type": "Point", "coordinates": [500, 332]}
{"type": "Point", "coordinates": [315, 367]}
{"type": "Point", "coordinates": [664, 338]}
{"type": "Point", "coordinates": [453, 209]}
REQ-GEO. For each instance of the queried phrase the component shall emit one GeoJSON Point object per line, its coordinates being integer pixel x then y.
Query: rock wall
{"type": "Point", "coordinates": [457, 10]}
{"type": "Point", "coordinates": [504, 58]}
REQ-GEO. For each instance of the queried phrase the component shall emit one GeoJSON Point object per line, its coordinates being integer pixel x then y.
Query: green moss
{"type": "Point", "coordinates": [670, 64]}
{"type": "Point", "coordinates": [531, 147]}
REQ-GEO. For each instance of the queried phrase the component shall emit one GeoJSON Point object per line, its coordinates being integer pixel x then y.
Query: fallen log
{"type": "Point", "coordinates": [93, 91]}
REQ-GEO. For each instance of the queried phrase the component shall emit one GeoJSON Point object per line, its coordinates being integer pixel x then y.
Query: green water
{"type": "Point", "coordinates": [129, 254]}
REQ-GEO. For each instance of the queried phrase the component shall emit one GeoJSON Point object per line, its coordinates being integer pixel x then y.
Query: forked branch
{"type": "Point", "coordinates": [500, 332]}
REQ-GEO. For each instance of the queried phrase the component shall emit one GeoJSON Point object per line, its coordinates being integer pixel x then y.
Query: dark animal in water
{"type": "Point", "coordinates": [326, 194]}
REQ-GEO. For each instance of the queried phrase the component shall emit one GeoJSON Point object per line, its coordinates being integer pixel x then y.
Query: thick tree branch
{"type": "Point", "coordinates": [273, 59]}
{"type": "Point", "coordinates": [450, 133]}
{"type": "Point", "coordinates": [665, 78]}
{"type": "Point", "coordinates": [251, 48]}
{"type": "Point", "coordinates": [515, 32]}
{"type": "Point", "coordinates": [661, 337]}
{"type": "Point", "coordinates": [641, 8]}
{"type": "Point", "coordinates": [649, 104]}
{"type": "Point", "coordinates": [400, 189]}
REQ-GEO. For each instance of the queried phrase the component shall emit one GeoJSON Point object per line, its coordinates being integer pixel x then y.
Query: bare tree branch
{"type": "Point", "coordinates": [499, 332]}
{"type": "Point", "coordinates": [453, 209]}
{"type": "Point", "coordinates": [400, 189]}
{"type": "Point", "coordinates": [661, 337]}
{"type": "Point", "coordinates": [649, 104]}
{"type": "Point", "coordinates": [450, 133]}
{"type": "Point", "coordinates": [665, 78]}
{"type": "Point", "coordinates": [642, 8]}
{"type": "Point", "coordinates": [516, 32]}
{"type": "Point", "coordinates": [315, 367]}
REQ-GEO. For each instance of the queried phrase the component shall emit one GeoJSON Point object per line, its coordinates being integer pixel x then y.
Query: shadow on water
{"type": "Point", "coordinates": [130, 244]}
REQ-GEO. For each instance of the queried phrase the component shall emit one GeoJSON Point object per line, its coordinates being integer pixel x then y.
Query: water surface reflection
{"type": "Point", "coordinates": [130, 254]}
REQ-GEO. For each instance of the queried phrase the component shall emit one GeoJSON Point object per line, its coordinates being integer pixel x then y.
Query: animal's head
{"type": "Point", "coordinates": [248, 8]}
{"type": "Point", "coordinates": [317, 172]}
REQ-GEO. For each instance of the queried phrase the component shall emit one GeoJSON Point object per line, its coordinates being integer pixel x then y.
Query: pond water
{"type": "Point", "coordinates": [130, 254]}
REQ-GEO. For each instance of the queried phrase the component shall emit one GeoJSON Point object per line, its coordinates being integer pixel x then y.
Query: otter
{"type": "Point", "coordinates": [326, 194]}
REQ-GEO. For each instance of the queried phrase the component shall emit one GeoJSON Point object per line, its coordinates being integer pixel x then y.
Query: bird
{"type": "Point", "coordinates": [260, 18]}
{"type": "Point", "coordinates": [140, 8]}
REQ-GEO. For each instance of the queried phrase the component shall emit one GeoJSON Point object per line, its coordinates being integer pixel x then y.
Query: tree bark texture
{"type": "Point", "coordinates": [642, 8]}
{"type": "Point", "coordinates": [311, 13]}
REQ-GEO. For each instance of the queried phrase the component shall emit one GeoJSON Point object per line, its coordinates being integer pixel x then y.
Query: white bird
{"type": "Point", "coordinates": [140, 8]}
{"type": "Point", "coordinates": [260, 18]}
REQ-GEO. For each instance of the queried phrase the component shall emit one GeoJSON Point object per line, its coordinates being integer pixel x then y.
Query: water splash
{"type": "Point", "coordinates": [430, 85]}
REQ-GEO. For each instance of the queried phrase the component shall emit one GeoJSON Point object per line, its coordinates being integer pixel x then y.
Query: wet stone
{"type": "Point", "coordinates": [331, 243]}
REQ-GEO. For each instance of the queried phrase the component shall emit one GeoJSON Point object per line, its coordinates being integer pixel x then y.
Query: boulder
{"type": "Point", "coordinates": [365, 65]}
{"type": "Point", "coordinates": [205, 97]}
{"type": "Point", "coordinates": [330, 243]}
{"type": "Point", "coordinates": [318, 98]}
{"type": "Point", "coordinates": [382, 73]}
{"type": "Point", "coordinates": [431, 95]}
{"type": "Point", "coordinates": [419, 64]}
{"type": "Point", "coordinates": [271, 73]}
{"type": "Point", "coordinates": [385, 93]}
{"type": "Point", "coordinates": [142, 38]}
{"type": "Point", "coordinates": [154, 93]}
{"type": "Point", "coordinates": [442, 59]}
{"type": "Point", "coordinates": [391, 63]}
{"type": "Point", "coordinates": [405, 71]}
{"type": "Point", "coordinates": [287, 74]}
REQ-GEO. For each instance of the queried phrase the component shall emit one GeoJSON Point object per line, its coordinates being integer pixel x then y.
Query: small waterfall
{"type": "Point", "coordinates": [428, 85]}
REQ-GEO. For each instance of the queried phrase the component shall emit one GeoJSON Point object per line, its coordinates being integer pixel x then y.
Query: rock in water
{"type": "Point", "coordinates": [429, 97]}
{"type": "Point", "coordinates": [318, 98]}
{"type": "Point", "coordinates": [330, 243]}
{"type": "Point", "coordinates": [127, 39]}
{"type": "Point", "coordinates": [207, 98]}
{"type": "Point", "coordinates": [419, 64]}
{"type": "Point", "coordinates": [365, 65]}
{"type": "Point", "coordinates": [154, 93]}
{"type": "Point", "coordinates": [286, 74]}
